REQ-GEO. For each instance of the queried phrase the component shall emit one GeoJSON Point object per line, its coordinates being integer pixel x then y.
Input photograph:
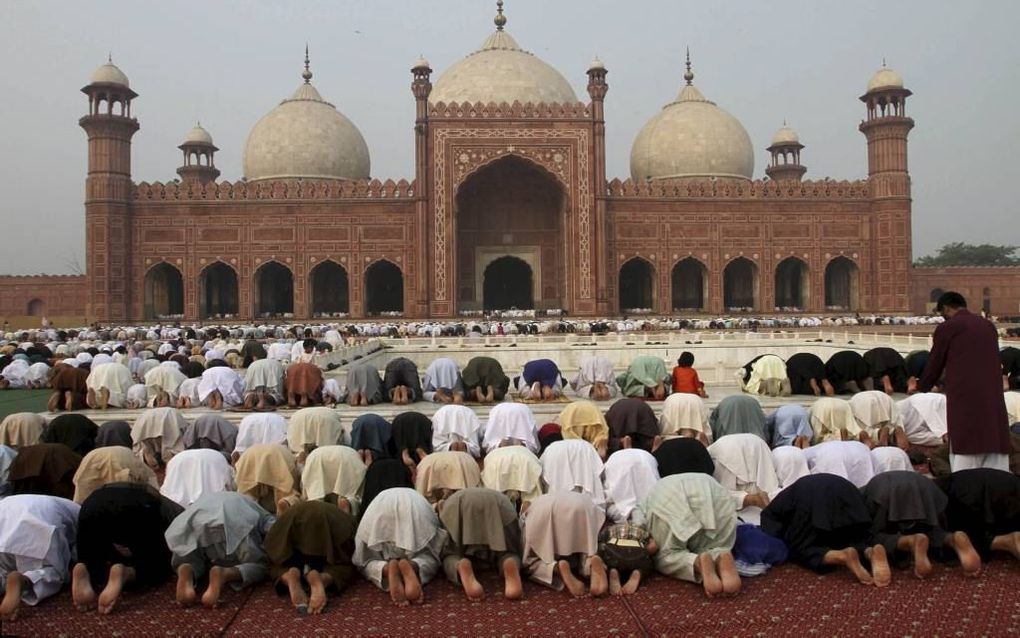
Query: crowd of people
{"type": "Point", "coordinates": [593, 502]}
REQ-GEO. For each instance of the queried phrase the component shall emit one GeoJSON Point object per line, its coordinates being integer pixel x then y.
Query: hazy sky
{"type": "Point", "coordinates": [227, 63]}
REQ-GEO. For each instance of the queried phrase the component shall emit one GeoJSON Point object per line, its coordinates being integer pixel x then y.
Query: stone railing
{"type": "Point", "coordinates": [291, 189]}
{"type": "Point", "coordinates": [739, 189]}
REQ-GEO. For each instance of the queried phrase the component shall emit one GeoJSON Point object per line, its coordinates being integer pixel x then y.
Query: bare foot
{"type": "Point", "coordinates": [632, 584]}
{"type": "Point", "coordinates": [705, 566]}
{"type": "Point", "coordinates": [827, 387]}
{"type": "Point", "coordinates": [186, 585]}
{"type": "Point", "coordinates": [573, 585]}
{"type": "Point", "coordinates": [969, 558]}
{"type": "Point", "coordinates": [298, 597]}
{"type": "Point", "coordinates": [599, 581]}
{"type": "Point", "coordinates": [395, 583]}
{"type": "Point", "coordinates": [887, 384]}
{"type": "Point", "coordinates": [82, 594]}
{"type": "Point", "coordinates": [412, 586]}
{"type": "Point", "coordinates": [12, 596]}
{"type": "Point", "coordinates": [53, 404]}
{"type": "Point", "coordinates": [317, 600]}
{"type": "Point", "coordinates": [111, 593]}
{"type": "Point", "coordinates": [626, 442]}
{"type": "Point", "coordinates": [282, 506]}
{"type": "Point", "coordinates": [728, 574]}
{"type": "Point", "coordinates": [851, 560]}
{"type": "Point", "coordinates": [922, 564]}
{"type": "Point", "coordinates": [472, 588]}
{"type": "Point", "coordinates": [815, 389]}
{"type": "Point", "coordinates": [1007, 543]}
{"type": "Point", "coordinates": [211, 597]}
{"type": "Point", "coordinates": [880, 570]}
{"type": "Point", "coordinates": [614, 582]}
{"type": "Point", "coordinates": [513, 589]}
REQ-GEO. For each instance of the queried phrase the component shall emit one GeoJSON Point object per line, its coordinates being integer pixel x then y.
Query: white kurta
{"type": "Point", "coordinates": [874, 410]}
{"type": "Point", "coordinates": [592, 370]}
{"type": "Point", "coordinates": [452, 423]}
{"type": "Point", "coordinates": [630, 476]}
{"type": "Point", "coordinates": [229, 384]}
{"type": "Point", "coordinates": [574, 465]}
{"type": "Point", "coordinates": [510, 421]}
{"type": "Point", "coordinates": [849, 459]}
{"type": "Point", "coordinates": [37, 539]}
{"type": "Point", "coordinates": [113, 377]}
{"type": "Point", "coordinates": [513, 469]}
{"type": "Point", "coordinates": [163, 379]}
{"type": "Point", "coordinates": [261, 427]}
{"type": "Point", "coordinates": [684, 411]}
{"type": "Point", "coordinates": [192, 473]}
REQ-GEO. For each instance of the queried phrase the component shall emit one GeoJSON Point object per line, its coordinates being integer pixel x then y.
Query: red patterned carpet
{"type": "Point", "coordinates": [789, 601]}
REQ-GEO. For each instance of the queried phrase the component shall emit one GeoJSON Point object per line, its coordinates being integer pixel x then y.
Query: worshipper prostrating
{"type": "Point", "coordinates": [766, 375]}
{"type": "Point", "coordinates": [907, 510]}
{"type": "Point", "coordinates": [889, 459]}
{"type": "Point", "coordinates": [630, 475]}
{"type": "Point", "coordinates": [510, 424]}
{"type": "Point", "coordinates": [304, 385]}
{"type": "Point", "coordinates": [267, 474]}
{"type": "Point", "coordinates": [309, 543]}
{"type": "Point", "coordinates": [210, 431]}
{"type": "Point", "coordinates": [683, 455]}
{"type": "Point", "coordinates": [515, 471]}
{"type": "Point", "coordinates": [561, 543]}
{"type": "Point", "coordinates": [483, 531]}
{"type": "Point", "coordinates": [263, 383]}
{"type": "Point", "coordinates": [221, 387]}
{"type": "Point", "coordinates": [646, 378]}
{"type": "Point", "coordinates": [924, 418]}
{"type": "Point", "coordinates": [790, 425]}
{"type": "Point", "coordinates": [583, 420]}
{"type": "Point", "coordinates": [37, 537]}
{"type": "Point", "coordinates": [162, 385]}
{"type": "Point", "coordinates": [192, 474]}
{"type": "Point", "coordinates": [825, 523]}
{"type": "Point", "coordinates": [806, 372]}
{"type": "Point", "coordinates": [76, 431]}
{"type": "Point", "coordinates": [372, 437]}
{"type": "Point", "coordinates": [443, 383]}
{"type": "Point", "coordinates": [111, 464]}
{"type": "Point", "coordinates": [540, 380]}
{"type": "Point", "coordinates": [312, 427]}
{"type": "Point", "coordinates": [790, 464]}
{"type": "Point", "coordinates": [848, 373]}
{"type": "Point", "coordinates": [738, 414]}
{"type": "Point", "coordinates": [833, 419]}
{"type": "Point", "coordinates": [440, 474]}
{"type": "Point", "coordinates": [157, 436]}
{"type": "Point", "coordinates": [685, 415]}
{"type": "Point", "coordinates": [260, 428]}
{"type": "Point", "coordinates": [985, 504]}
{"type": "Point", "coordinates": [850, 460]}
{"type": "Point", "coordinates": [400, 382]}
{"type": "Point", "coordinates": [632, 423]}
{"type": "Point", "coordinates": [399, 544]}
{"type": "Point", "coordinates": [693, 523]}
{"type": "Point", "coordinates": [107, 385]}
{"type": "Point", "coordinates": [121, 543]}
{"type": "Point", "coordinates": [574, 466]}
{"type": "Point", "coordinates": [888, 369]}
{"type": "Point", "coordinates": [878, 419]}
{"type": "Point", "coordinates": [457, 428]}
{"type": "Point", "coordinates": [44, 468]}
{"type": "Point", "coordinates": [70, 387]}
{"type": "Point", "coordinates": [1009, 357]}
{"type": "Point", "coordinates": [411, 436]}
{"type": "Point", "coordinates": [364, 385]}
{"type": "Point", "coordinates": [595, 379]}
{"type": "Point", "coordinates": [743, 465]}
{"type": "Point", "coordinates": [22, 429]}
{"type": "Point", "coordinates": [334, 474]}
{"type": "Point", "coordinates": [221, 536]}
{"type": "Point", "coordinates": [7, 455]}
{"type": "Point", "coordinates": [484, 380]}
{"type": "Point", "coordinates": [381, 476]}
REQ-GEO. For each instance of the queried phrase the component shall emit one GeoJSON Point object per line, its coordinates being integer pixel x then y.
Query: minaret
{"type": "Point", "coordinates": [785, 150]}
{"type": "Point", "coordinates": [108, 240]}
{"type": "Point", "coordinates": [199, 162]}
{"type": "Point", "coordinates": [421, 87]}
{"type": "Point", "coordinates": [597, 89]}
{"type": "Point", "coordinates": [886, 128]}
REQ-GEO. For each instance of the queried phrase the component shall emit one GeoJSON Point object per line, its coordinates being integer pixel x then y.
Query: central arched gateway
{"type": "Point", "coordinates": [508, 282]}
{"type": "Point", "coordinates": [511, 208]}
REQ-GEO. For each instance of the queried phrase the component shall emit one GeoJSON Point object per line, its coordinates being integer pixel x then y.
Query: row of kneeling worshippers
{"type": "Point", "coordinates": [313, 516]}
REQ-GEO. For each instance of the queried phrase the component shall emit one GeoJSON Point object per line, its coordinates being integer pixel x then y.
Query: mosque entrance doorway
{"type": "Point", "coordinates": [274, 290]}
{"type": "Point", "coordinates": [164, 292]}
{"type": "Point", "coordinates": [508, 283]}
{"type": "Point", "coordinates": [637, 285]}
{"type": "Point", "coordinates": [218, 291]}
{"type": "Point", "coordinates": [384, 288]}
{"type": "Point", "coordinates": [330, 292]}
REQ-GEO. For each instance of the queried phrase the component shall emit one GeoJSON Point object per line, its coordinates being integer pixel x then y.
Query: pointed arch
{"type": "Point", "coordinates": [274, 290]}
{"type": "Point", "coordinates": [690, 285]}
{"type": "Point", "coordinates": [330, 288]}
{"type": "Point", "coordinates": [36, 307]}
{"type": "Point", "coordinates": [508, 282]}
{"type": "Point", "coordinates": [164, 292]}
{"type": "Point", "coordinates": [792, 285]}
{"type": "Point", "coordinates": [842, 285]}
{"type": "Point", "coordinates": [217, 288]}
{"type": "Point", "coordinates": [740, 285]}
{"type": "Point", "coordinates": [637, 285]}
{"type": "Point", "coordinates": [384, 288]}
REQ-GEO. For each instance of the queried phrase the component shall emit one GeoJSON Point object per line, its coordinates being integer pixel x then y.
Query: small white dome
{"type": "Point", "coordinates": [305, 136]}
{"type": "Point", "coordinates": [885, 78]}
{"type": "Point", "coordinates": [785, 135]}
{"type": "Point", "coordinates": [198, 135]}
{"type": "Point", "coordinates": [420, 63]}
{"type": "Point", "coordinates": [597, 65]}
{"type": "Point", "coordinates": [502, 72]}
{"type": "Point", "coordinates": [692, 137]}
{"type": "Point", "coordinates": [109, 74]}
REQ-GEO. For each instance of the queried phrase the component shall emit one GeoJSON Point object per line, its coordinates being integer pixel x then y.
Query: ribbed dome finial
{"type": "Point", "coordinates": [689, 75]}
{"type": "Point", "coordinates": [307, 75]}
{"type": "Point", "coordinates": [500, 18]}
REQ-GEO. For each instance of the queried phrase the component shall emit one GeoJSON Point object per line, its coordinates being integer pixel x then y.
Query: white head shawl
{"type": "Point", "coordinates": [888, 459]}
{"type": "Point", "coordinates": [571, 464]}
{"type": "Point", "coordinates": [748, 458]}
{"type": "Point", "coordinates": [630, 476]}
{"type": "Point", "coordinates": [849, 459]}
{"type": "Point", "coordinates": [684, 411]}
{"type": "Point", "coordinates": [510, 420]}
{"type": "Point", "coordinates": [192, 473]}
{"type": "Point", "coordinates": [453, 423]}
{"type": "Point", "coordinates": [261, 427]}
{"type": "Point", "coordinates": [790, 464]}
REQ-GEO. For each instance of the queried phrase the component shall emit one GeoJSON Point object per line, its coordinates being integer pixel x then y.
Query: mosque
{"type": "Point", "coordinates": [509, 207]}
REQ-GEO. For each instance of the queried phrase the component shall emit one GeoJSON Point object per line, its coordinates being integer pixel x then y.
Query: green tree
{"type": "Point", "coordinates": [962, 254]}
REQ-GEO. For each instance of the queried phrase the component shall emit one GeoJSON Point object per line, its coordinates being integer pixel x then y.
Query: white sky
{"type": "Point", "coordinates": [227, 63]}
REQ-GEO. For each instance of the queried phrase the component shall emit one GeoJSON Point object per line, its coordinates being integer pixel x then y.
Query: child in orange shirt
{"type": "Point", "coordinates": [685, 377]}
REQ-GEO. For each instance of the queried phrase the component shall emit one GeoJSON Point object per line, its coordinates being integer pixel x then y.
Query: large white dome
{"type": "Point", "coordinates": [305, 136]}
{"type": "Point", "coordinates": [502, 72]}
{"type": "Point", "coordinates": [692, 137]}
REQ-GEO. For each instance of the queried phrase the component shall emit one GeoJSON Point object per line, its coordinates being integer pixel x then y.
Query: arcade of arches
{"type": "Point", "coordinates": [510, 203]}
